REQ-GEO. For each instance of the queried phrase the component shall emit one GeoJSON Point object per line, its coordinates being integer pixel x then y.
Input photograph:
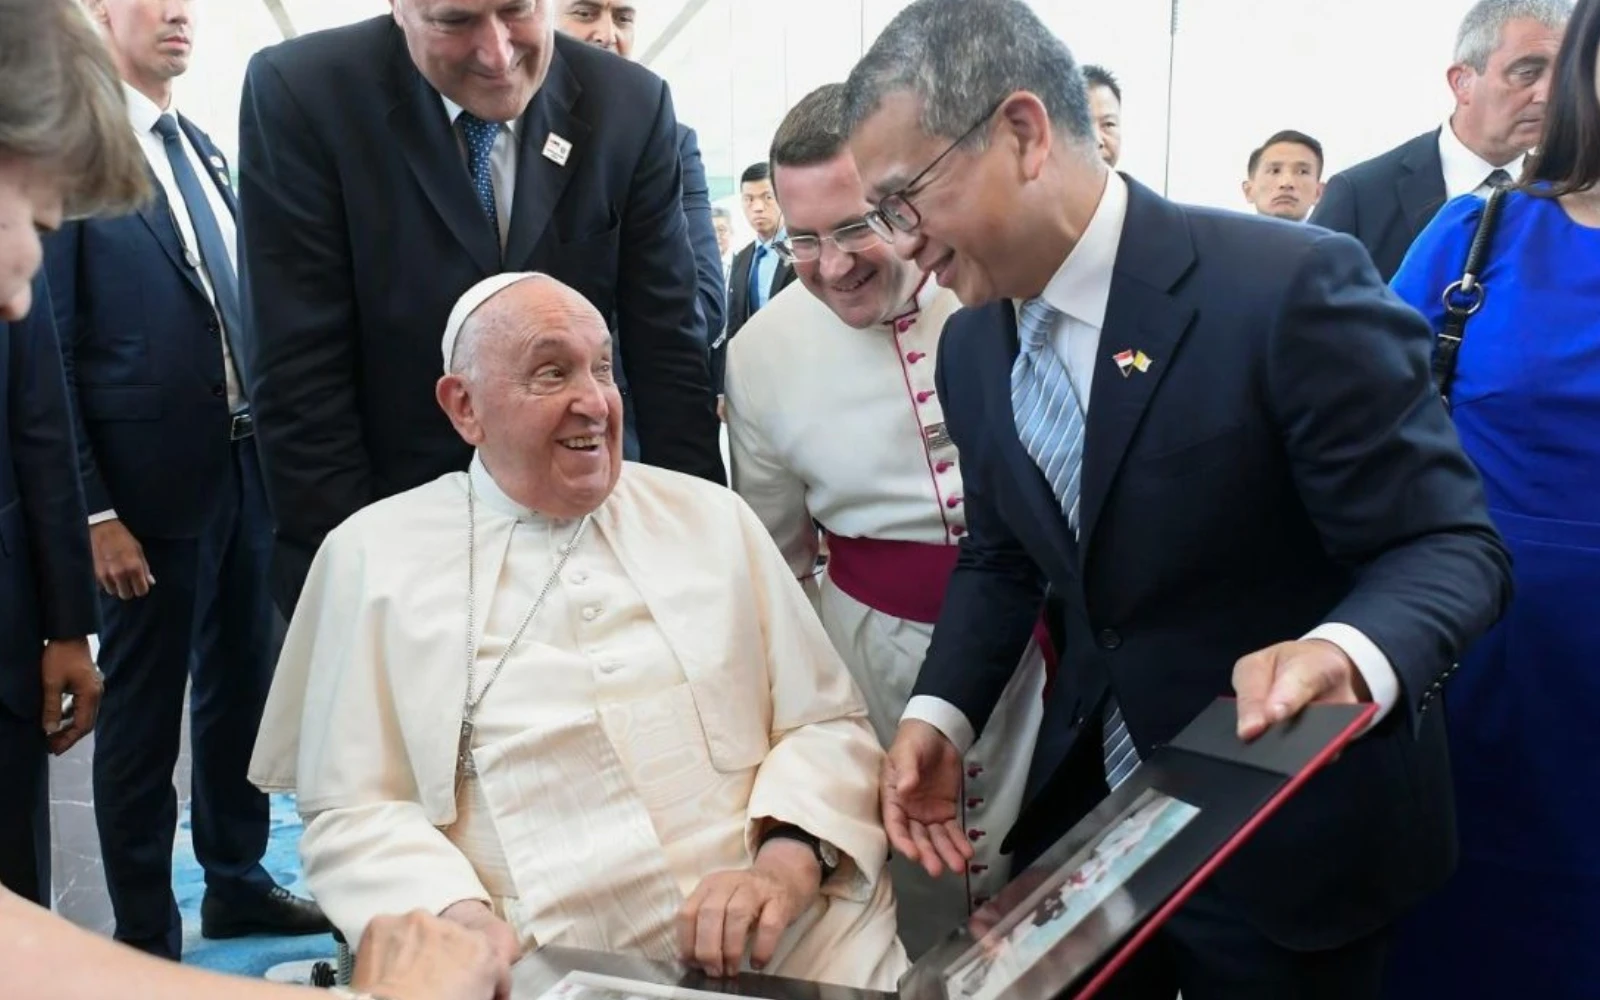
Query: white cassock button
{"type": "Point", "coordinates": [609, 666]}
{"type": "Point", "coordinates": [591, 613]}
{"type": "Point", "coordinates": [580, 578]}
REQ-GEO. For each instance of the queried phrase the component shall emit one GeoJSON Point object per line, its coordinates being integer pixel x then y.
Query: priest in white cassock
{"type": "Point", "coordinates": [568, 700]}
{"type": "Point", "coordinates": [833, 418]}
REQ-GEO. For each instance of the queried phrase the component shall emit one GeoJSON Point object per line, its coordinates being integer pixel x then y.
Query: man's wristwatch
{"type": "Point", "coordinates": [827, 854]}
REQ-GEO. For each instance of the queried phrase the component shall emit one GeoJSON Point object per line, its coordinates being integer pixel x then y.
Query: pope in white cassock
{"type": "Point", "coordinates": [568, 700]}
{"type": "Point", "coordinates": [833, 417]}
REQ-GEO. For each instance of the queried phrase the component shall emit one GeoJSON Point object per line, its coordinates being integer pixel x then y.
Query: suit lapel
{"type": "Point", "coordinates": [540, 180]}
{"type": "Point", "coordinates": [433, 153]}
{"type": "Point", "coordinates": [781, 277]}
{"type": "Point", "coordinates": [216, 165]}
{"type": "Point", "coordinates": [1421, 187]}
{"type": "Point", "coordinates": [1141, 315]}
{"type": "Point", "coordinates": [157, 215]}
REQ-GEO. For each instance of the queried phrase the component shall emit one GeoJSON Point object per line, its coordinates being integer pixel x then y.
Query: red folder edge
{"type": "Point", "coordinates": [1144, 933]}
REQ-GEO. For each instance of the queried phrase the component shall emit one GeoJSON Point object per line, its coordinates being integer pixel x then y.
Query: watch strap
{"type": "Point", "coordinates": [789, 831]}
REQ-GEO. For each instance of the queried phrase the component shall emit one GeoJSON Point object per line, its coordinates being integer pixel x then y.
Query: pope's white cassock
{"type": "Point", "coordinates": [842, 426]}
{"type": "Point", "coordinates": [673, 693]}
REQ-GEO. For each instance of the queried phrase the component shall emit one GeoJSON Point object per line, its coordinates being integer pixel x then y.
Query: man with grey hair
{"type": "Point", "coordinates": [672, 763]}
{"type": "Point", "coordinates": [1500, 79]}
{"type": "Point", "coordinates": [833, 420]}
{"type": "Point", "coordinates": [1190, 425]}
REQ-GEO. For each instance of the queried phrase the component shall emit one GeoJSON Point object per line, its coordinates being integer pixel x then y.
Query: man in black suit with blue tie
{"type": "Point", "coordinates": [1500, 80]}
{"type": "Point", "coordinates": [148, 309]}
{"type": "Point", "coordinates": [388, 166]}
{"type": "Point", "coordinates": [1215, 438]}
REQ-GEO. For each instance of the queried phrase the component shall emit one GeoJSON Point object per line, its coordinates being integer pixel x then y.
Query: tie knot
{"type": "Point", "coordinates": [1038, 319]}
{"type": "Point", "coordinates": [166, 127]}
{"type": "Point", "coordinates": [480, 134]}
{"type": "Point", "coordinates": [1500, 178]}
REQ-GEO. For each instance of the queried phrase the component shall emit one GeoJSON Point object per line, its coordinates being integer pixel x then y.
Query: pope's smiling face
{"type": "Point", "coordinates": [536, 394]}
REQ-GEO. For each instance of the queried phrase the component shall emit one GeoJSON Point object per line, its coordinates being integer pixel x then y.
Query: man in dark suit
{"type": "Point", "coordinates": [148, 309]}
{"type": "Point", "coordinates": [610, 25]}
{"type": "Point", "coordinates": [758, 272]}
{"type": "Point", "coordinates": [387, 167]}
{"type": "Point", "coordinates": [1215, 437]}
{"type": "Point", "coordinates": [47, 609]}
{"type": "Point", "coordinates": [1500, 80]}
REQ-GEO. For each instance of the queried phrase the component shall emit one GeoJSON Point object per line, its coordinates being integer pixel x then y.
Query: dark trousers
{"type": "Point", "coordinates": [208, 620]}
{"type": "Point", "coordinates": [24, 807]}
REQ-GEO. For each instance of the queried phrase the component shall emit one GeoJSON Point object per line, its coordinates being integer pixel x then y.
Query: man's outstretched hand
{"type": "Point", "coordinates": [921, 790]}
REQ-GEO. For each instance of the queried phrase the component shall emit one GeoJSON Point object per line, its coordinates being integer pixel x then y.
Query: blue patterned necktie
{"type": "Point", "coordinates": [214, 254]}
{"type": "Point", "coordinates": [755, 278]}
{"type": "Point", "coordinates": [480, 136]}
{"type": "Point", "coordinates": [1050, 422]}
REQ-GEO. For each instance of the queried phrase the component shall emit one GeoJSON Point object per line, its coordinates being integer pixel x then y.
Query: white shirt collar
{"type": "Point", "coordinates": [1081, 287]}
{"type": "Point", "coordinates": [142, 111]}
{"type": "Point", "coordinates": [495, 498]}
{"type": "Point", "coordinates": [1464, 170]}
{"type": "Point", "coordinates": [453, 111]}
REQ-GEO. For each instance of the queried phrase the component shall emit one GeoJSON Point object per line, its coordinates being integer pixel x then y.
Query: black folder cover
{"type": "Point", "coordinates": [1061, 927]}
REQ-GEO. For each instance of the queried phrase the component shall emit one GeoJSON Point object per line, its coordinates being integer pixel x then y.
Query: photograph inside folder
{"type": "Point", "coordinates": [1062, 927]}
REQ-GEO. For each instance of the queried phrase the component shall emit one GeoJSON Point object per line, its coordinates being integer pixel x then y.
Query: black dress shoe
{"type": "Point", "coordinates": [278, 912]}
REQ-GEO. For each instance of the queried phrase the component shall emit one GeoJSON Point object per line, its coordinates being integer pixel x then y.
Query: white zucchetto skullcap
{"type": "Point", "coordinates": [468, 304]}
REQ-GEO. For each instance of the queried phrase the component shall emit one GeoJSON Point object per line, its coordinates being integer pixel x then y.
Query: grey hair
{"type": "Point", "coordinates": [1481, 29]}
{"type": "Point", "coordinates": [813, 131]}
{"type": "Point", "coordinates": [962, 58]}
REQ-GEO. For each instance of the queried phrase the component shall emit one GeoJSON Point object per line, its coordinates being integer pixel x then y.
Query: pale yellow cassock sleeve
{"type": "Point", "coordinates": [821, 772]}
{"type": "Point", "coordinates": [760, 475]}
{"type": "Point", "coordinates": [368, 847]}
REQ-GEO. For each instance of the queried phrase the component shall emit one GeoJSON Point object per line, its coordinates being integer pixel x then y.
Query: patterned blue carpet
{"type": "Point", "coordinates": [250, 956]}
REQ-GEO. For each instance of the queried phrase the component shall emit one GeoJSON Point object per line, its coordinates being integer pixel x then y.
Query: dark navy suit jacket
{"type": "Point", "coordinates": [46, 567]}
{"type": "Point", "coordinates": [1386, 201]}
{"type": "Point", "coordinates": [144, 361]}
{"type": "Point", "coordinates": [1284, 462]}
{"type": "Point", "coordinates": [710, 294]}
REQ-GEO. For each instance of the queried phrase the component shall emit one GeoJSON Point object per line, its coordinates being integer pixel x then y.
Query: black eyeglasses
{"type": "Point", "coordinates": [894, 212]}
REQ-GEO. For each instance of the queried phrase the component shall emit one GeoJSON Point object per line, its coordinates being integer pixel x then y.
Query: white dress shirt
{"type": "Point", "coordinates": [502, 165]}
{"type": "Point", "coordinates": [143, 114]}
{"type": "Point", "coordinates": [1465, 172]}
{"type": "Point", "coordinates": [1080, 291]}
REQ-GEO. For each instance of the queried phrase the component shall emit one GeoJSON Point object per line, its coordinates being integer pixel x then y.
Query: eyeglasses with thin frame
{"type": "Point", "coordinates": [894, 212]}
{"type": "Point", "coordinates": [854, 238]}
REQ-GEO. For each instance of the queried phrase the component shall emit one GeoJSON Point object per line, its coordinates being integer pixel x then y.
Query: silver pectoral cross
{"type": "Point", "coordinates": [465, 768]}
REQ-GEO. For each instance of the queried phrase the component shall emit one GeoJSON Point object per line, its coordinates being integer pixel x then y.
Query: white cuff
{"type": "Point", "coordinates": [943, 716]}
{"type": "Point", "coordinates": [1375, 667]}
{"type": "Point", "coordinates": [102, 517]}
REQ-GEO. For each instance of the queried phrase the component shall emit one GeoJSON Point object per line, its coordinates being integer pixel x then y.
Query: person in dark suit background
{"type": "Point", "coordinates": [610, 25]}
{"type": "Point", "coordinates": [1500, 80]}
{"type": "Point", "coordinates": [1198, 432]}
{"type": "Point", "coordinates": [62, 150]}
{"type": "Point", "coordinates": [148, 309]}
{"type": "Point", "coordinates": [388, 166]}
{"type": "Point", "coordinates": [758, 272]}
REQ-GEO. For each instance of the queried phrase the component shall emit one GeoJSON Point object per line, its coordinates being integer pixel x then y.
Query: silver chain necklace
{"type": "Point", "coordinates": [465, 768]}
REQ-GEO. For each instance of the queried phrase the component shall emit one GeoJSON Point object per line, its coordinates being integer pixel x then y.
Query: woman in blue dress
{"type": "Point", "coordinates": [1522, 915]}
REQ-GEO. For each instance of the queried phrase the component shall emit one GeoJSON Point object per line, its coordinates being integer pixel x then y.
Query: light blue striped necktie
{"type": "Point", "coordinates": [1050, 422]}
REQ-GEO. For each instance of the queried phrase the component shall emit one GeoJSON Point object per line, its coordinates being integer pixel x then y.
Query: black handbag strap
{"type": "Point", "coordinates": [1465, 296]}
